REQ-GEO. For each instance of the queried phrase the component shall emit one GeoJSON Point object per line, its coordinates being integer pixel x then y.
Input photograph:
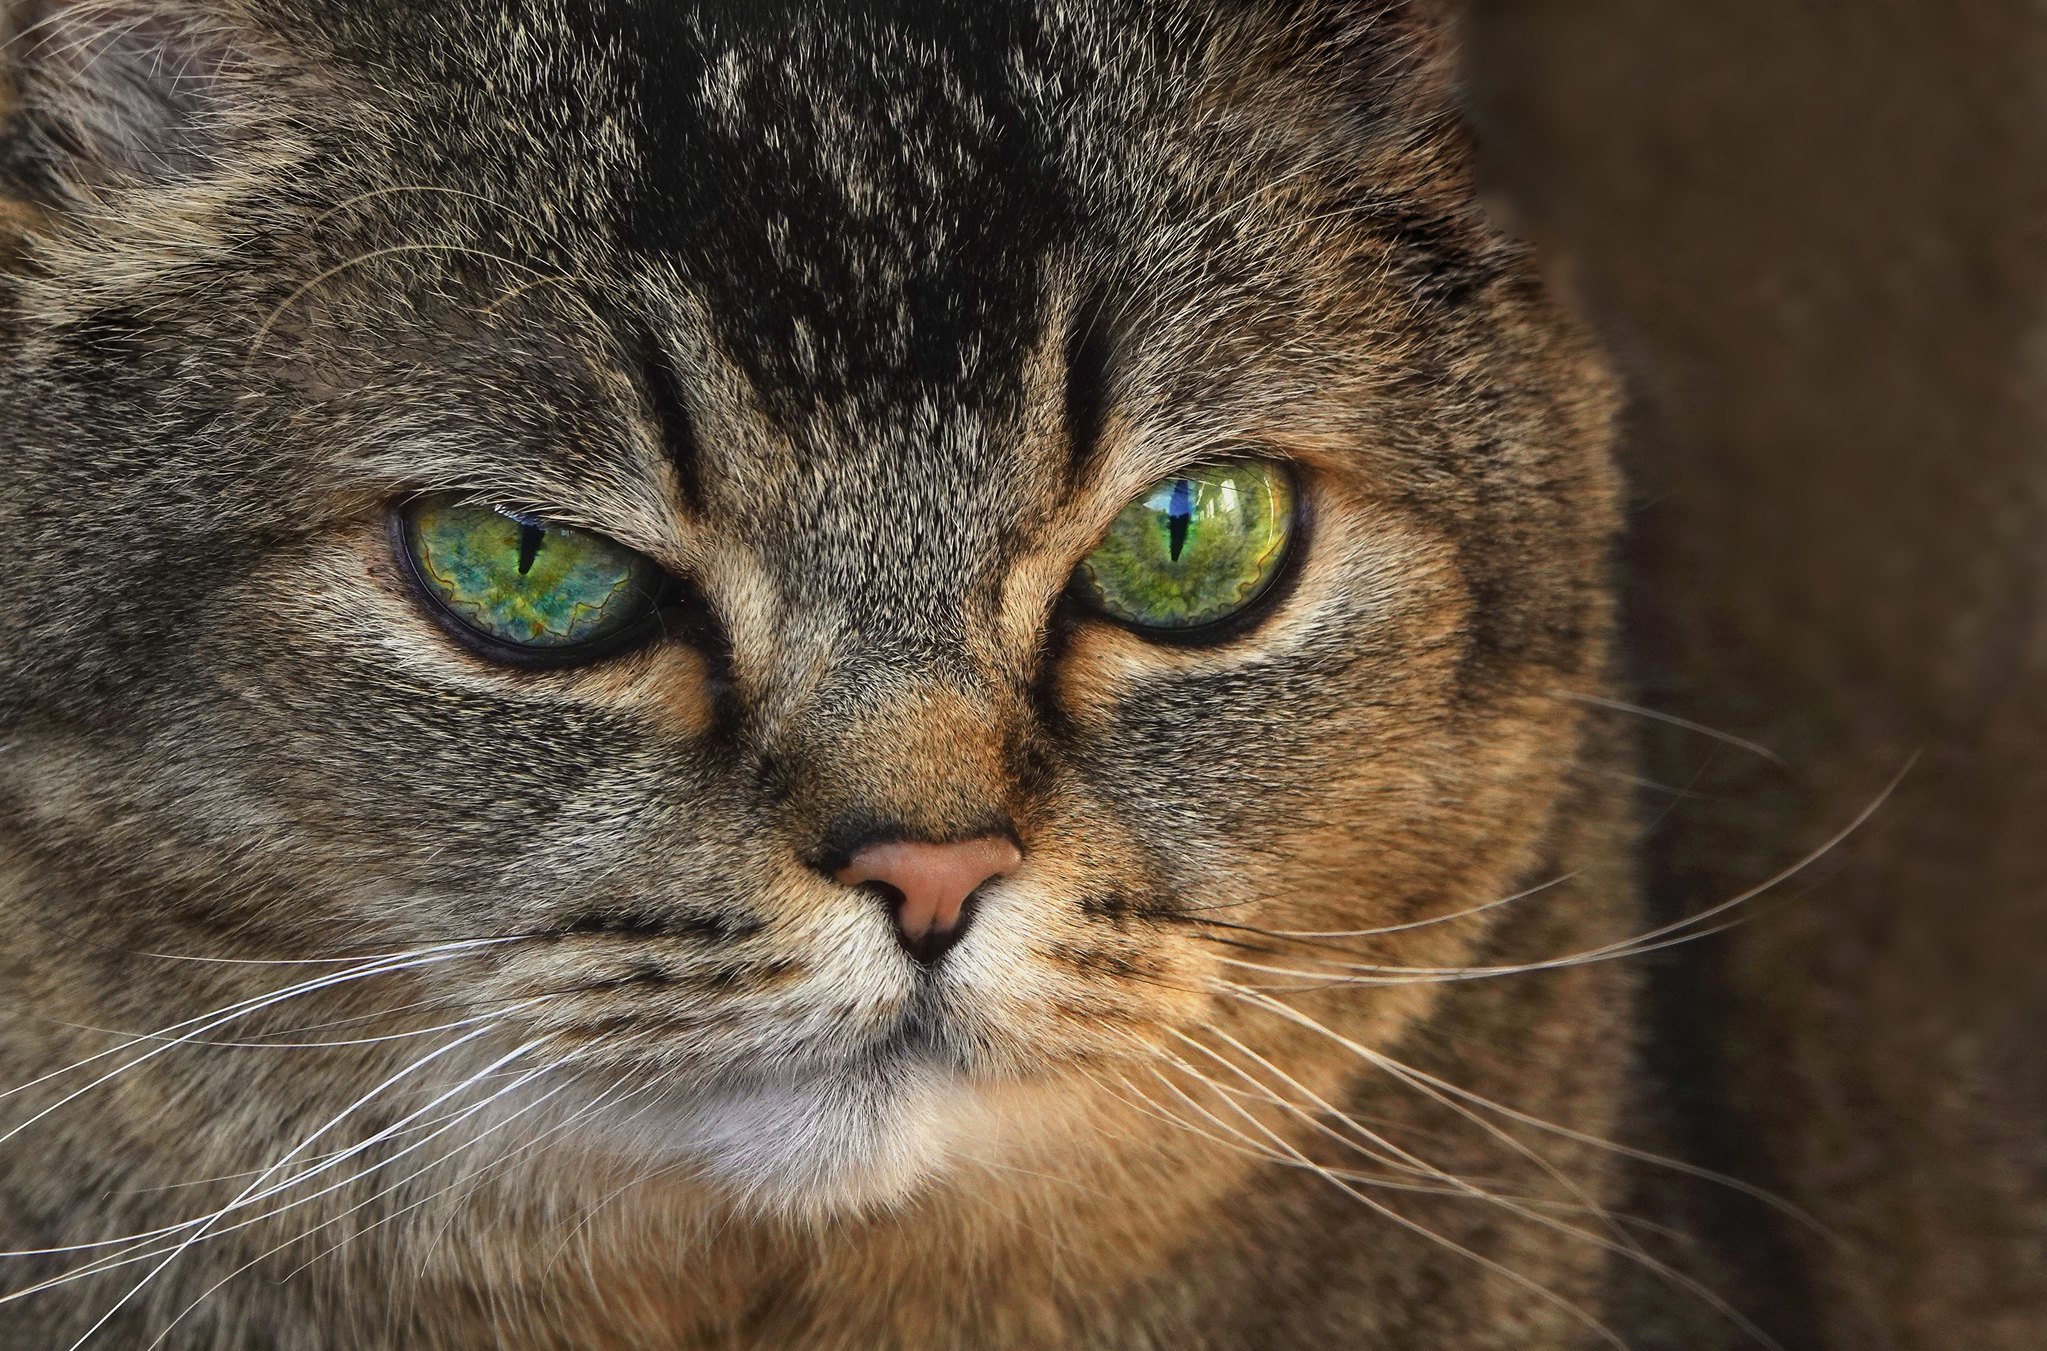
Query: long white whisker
{"type": "Point", "coordinates": [372, 1199]}
{"type": "Point", "coordinates": [207, 1182]}
{"type": "Point", "coordinates": [141, 1252]}
{"type": "Point", "coordinates": [240, 1009]}
{"type": "Point", "coordinates": [1677, 931]}
{"type": "Point", "coordinates": [1498, 1268]}
{"type": "Point", "coordinates": [1549, 1168]}
{"type": "Point", "coordinates": [1622, 1244]}
{"type": "Point", "coordinates": [1417, 1180]}
{"type": "Point", "coordinates": [295, 1151]}
{"type": "Point", "coordinates": [1467, 913]}
{"type": "Point", "coordinates": [585, 1113]}
{"type": "Point", "coordinates": [1378, 1149]}
{"type": "Point", "coordinates": [1366, 1053]}
{"type": "Point", "coordinates": [135, 1241]}
{"type": "Point", "coordinates": [488, 1015]}
{"type": "Point", "coordinates": [1379, 1181]}
{"type": "Point", "coordinates": [1393, 1155]}
{"type": "Point", "coordinates": [1754, 748]}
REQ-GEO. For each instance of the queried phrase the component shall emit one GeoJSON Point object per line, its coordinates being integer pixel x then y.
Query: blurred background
{"type": "Point", "coordinates": [1814, 237]}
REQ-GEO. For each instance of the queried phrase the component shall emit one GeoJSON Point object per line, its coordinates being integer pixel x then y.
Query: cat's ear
{"type": "Point", "coordinates": [1411, 52]}
{"type": "Point", "coordinates": [1389, 70]}
{"type": "Point", "coordinates": [104, 94]}
{"type": "Point", "coordinates": [1415, 40]}
{"type": "Point", "coordinates": [1417, 69]}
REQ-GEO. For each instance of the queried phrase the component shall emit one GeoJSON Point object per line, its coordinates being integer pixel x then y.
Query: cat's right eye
{"type": "Point", "coordinates": [524, 589]}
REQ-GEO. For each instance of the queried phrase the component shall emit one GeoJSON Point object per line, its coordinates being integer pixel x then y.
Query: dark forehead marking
{"type": "Point", "coordinates": [864, 196]}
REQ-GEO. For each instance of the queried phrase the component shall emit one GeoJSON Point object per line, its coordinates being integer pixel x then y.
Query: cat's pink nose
{"type": "Point", "coordinates": [927, 886]}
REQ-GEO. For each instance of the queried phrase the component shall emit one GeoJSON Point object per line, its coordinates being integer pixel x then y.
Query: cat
{"type": "Point", "coordinates": [775, 675]}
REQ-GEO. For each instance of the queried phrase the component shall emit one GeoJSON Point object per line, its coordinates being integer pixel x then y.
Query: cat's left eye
{"type": "Point", "coordinates": [525, 589]}
{"type": "Point", "coordinates": [1195, 551]}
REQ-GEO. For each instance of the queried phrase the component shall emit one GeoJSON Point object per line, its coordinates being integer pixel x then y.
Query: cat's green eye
{"type": "Point", "coordinates": [527, 588]}
{"type": "Point", "coordinates": [1194, 549]}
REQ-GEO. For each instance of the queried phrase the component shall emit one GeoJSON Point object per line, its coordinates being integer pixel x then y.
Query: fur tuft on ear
{"type": "Point", "coordinates": [1383, 79]}
{"type": "Point", "coordinates": [1417, 46]}
{"type": "Point", "coordinates": [101, 94]}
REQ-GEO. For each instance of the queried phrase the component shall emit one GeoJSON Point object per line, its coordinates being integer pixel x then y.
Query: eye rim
{"type": "Point", "coordinates": [1239, 622]}
{"type": "Point", "coordinates": [629, 638]}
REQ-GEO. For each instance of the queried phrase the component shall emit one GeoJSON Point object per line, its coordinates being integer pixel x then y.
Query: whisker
{"type": "Point", "coordinates": [1341, 974]}
{"type": "Point", "coordinates": [1498, 1268]}
{"type": "Point", "coordinates": [1419, 1179]}
{"type": "Point", "coordinates": [1677, 931]}
{"type": "Point", "coordinates": [131, 1256]}
{"type": "Point", "coordinates": [326, 275]}
{"type": "Point", "coordinates": [1393, 1156]}
{"type": "Point", "coordinates": [590, 1211]}
{"type": "Point", "coordinates": [489, 1015]}
{"type": "Point", "coordinates": [136, 1247]}
{"type": "Point", "coordinates": [350, 1110]}
{"type": "Point", "coordinates": [245, 1198]}
{"type": "Point", "coordinates": [210, 1181]}
{"type": "Point", "coordinates": [1770, 1199]}
{"type": "Point", "coordinates": [207, 1022]}
{"type": "Point", "coordinates": [1621, 1245]}
{"type": "Point", "coordinates": [372, 1199]}
{"type": "Point", "coordinates": [1467, 913]}
{"type": "Point", "coordinates": [1754, 748]}
{"type": "Point", "coordinates": [1450, 1186]}
{"type": "Point", "coordinates": [1250, 1148]}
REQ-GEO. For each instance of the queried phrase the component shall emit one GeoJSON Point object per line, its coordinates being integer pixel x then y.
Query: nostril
{"type": "Point", "coordinates": [891, 898]}
{"type": "Point", "coordinates": [928, 946]}
{"type": "Point", "coordinates": [925, 942]}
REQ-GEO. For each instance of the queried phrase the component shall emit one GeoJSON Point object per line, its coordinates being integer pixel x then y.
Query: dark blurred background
{"type": "Point", "coordinates": [1814, 237]}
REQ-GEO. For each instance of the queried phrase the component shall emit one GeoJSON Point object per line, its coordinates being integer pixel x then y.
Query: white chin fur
{"type": "Point", "coordinates": [831, 1147]}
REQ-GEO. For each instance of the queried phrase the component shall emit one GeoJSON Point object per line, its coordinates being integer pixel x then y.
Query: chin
{"type": "Point", "coordinates": [824, 1147]}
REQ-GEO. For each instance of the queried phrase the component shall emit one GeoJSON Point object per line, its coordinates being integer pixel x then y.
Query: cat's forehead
{"type": "Point", "coordinates": [849, 229]}
{"type": "Point", "coordinates": [861, 201]}
{"type": "Point", "coordinates": [859, 211]}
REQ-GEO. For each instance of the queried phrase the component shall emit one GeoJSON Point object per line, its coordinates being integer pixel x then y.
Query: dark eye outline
{"type": "Point", "coordinates": [650, 624]}
{"type": "Point", "coordinates": [1238, 622]}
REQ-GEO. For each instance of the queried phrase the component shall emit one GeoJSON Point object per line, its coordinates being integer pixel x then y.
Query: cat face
{"type": "Point", "coordinates": [858, 335]}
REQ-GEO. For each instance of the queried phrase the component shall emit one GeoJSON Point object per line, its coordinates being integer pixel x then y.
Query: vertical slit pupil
{"type": "Point", "coordinates": [1180, 516]}
{"type": "Point", "coordinates": [531, 536]}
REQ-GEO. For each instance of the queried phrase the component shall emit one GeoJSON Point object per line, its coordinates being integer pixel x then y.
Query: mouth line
{"type": "Point", "coordinates": [917, 1033]}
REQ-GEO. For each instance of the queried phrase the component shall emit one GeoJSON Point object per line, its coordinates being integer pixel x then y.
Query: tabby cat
{"type": "Point", "coordinates": [750, 674]}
